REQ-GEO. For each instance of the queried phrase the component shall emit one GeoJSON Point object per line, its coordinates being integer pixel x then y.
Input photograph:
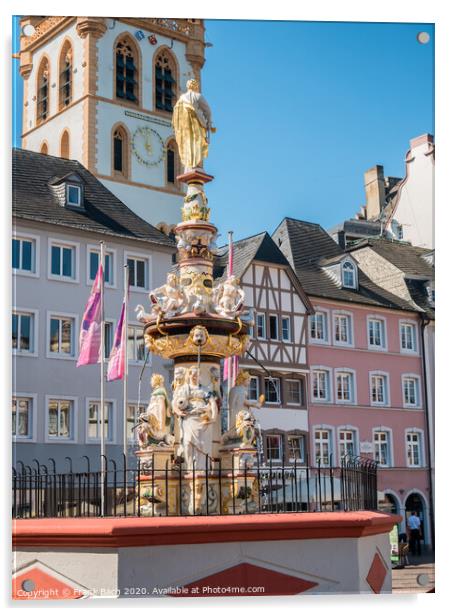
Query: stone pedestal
{"type": "Point", "coordinates": [240, 477]}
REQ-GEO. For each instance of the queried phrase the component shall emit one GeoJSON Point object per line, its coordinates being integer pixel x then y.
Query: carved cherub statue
{"type": "Point", "coordinates": [167, 299]}
{"type": "Point", "coordinates": [154, 423]}
{"type": "Point", "coordinates": [238, 399]}
{"type": "Point", "coordinates": [228, 297]}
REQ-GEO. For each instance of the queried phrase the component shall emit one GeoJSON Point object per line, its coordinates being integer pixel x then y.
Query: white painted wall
{"type": "Point", "coordinates": [52, 131]}
{"type": "Point", "coordinates": [282, 419]}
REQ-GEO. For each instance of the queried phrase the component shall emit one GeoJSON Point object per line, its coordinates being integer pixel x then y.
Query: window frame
{"type": "Point", "coordinates": [421, 452]}
{"type": "Point", "coordinates": [355, 439]}
{"type": "Point", "coordinates": [112, 405]}
{"type": "Point", "coordinates": [75, 341]}
{"type": "Point", "coordinates": [34, 239]}
{"type": "Point", "coordinates": [79, 188]}
{"type": "Point", "coordinates": [274, 316]}
{"type": "Point", "coordinates": [131, 358]}
{"type": "Point", "coordinates": [278, 389]}
{"type": "Point", "coordinates": [383, 321]}
{"type": "Point", "coordinates": [407, 322]}
{"type": "Point", "coordinates": [354, 274]}
{"type": "Point", "coordinates": [73, 419]}
{"type": "Point", "coordinates": [288, 320]}
{"type": "Point", "coordinates": [126, 37]}
{"type": "Point", "coordinates": [256, 380]}
{"type": "Point", "coordinates": [111, 252]}
{"type": "Point", "coordinates": [62, 243]}
{"type": "Point", "coordinates": [418, 392]}
{"type": "Point", "coordinates": [34, 323]}
{"type": "Point", "coordinates": [330, 449]}
{"type": "Point", "coordinates": [264, 324]}
{"type": "Point", "coordinates": [387, 390]}
{"type": "Point", "coordinates": [353, 385]}
{"type": "Point", "coordinates": [134, 403]}
{"type": "Point", "coordinates": [137, 256]}
{"type": "Point", "coordinates": [328, 373]}
{"type": "Point", "coordinates": [299, 382]}
{"type": "Point", "coordinates": [280, 447]}
{"type": "Point", "coordinates": [31, 423]}
{"type": "Point", "coordinates": [388, 431]}
{"type": "Point", "coordinates": [302, 449]}
{"type": "Point", "coordinates": [325, 316]}
{"type": "Point", "coordinates": [350, 328]}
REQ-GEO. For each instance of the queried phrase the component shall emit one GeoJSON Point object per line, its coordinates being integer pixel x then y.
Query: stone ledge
{"type": "Point", "coordinates": [133, 532]}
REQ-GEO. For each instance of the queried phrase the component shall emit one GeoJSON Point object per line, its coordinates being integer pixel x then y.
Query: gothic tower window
{"type": "Point", "coordinates": [120, 152]}
{"type": "Point", "coordinates": [172, 163]}
{"type": "Point", "coordinates": [165, 81]}
{"type": "Point", "coordinates": [44, 148]}
{"type": "Point", "coordinates": [126, 86]}
{"type": "Point", "coordinates": [42, 95]}
{"type": "Point", "coordinates": [64, 145]}
{"type": "Point", "coordinates": [65, 76]}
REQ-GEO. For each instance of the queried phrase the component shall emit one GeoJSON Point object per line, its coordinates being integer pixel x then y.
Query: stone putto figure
{"type": "Point", "coordinates": [167, 299]}
{"type": "Point", "coordinates": [192, 125]}
{"type": "Point", "coordinates": [229, 297]}
{"type": "Point", "coordinates": [154, 423]}
{"type": "Point", "coordinates": [238, 398]}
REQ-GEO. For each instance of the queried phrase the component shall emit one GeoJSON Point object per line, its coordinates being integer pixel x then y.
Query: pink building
{"type": "Point", "coordinates": [366, 389]}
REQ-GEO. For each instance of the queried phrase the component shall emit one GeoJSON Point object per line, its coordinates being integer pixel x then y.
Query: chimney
{"type": "Point", "coordinates": [374, 191]}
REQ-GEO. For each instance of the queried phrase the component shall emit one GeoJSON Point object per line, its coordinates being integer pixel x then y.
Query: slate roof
{"type": "Point", "coordinates": [306, 246]}
{"type": "Point", "coordinates": [34, 199]}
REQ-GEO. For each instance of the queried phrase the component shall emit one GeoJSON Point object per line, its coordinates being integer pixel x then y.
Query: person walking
{"type": "Point", "coordinates": [414, 525]}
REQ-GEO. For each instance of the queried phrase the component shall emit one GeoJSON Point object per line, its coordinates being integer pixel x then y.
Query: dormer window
{"type": "Point", "coordinates": [348, 275]}
{"type": "Point", "coordinates": [73, 195]}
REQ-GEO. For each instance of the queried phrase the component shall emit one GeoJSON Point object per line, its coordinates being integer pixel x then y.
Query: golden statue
{"type": "Point", "coordinates": [192, 125]}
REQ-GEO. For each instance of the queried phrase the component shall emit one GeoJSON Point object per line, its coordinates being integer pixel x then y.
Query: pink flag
{"type": "Point", "coordinates": [117, 359]}
{"type": "Point", "coordinates": [90, 330]}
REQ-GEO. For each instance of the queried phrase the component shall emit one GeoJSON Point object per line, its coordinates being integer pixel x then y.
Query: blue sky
{"type": "Point", "coordinates": [302, 109]}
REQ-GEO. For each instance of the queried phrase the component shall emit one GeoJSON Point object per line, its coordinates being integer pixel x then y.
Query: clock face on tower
{"type": "Point", "coordinates": [148, 146]}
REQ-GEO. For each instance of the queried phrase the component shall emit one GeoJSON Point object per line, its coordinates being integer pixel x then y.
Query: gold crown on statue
{"type": "Point", "coordinates": [193, 84]}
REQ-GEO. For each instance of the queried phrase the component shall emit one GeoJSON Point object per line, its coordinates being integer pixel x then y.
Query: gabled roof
{"type": "Point", "coordinates": [35, 200]}
{"type": "Point", "coordinates": [407, 258]}
{"type": "Point", "coordinates": [307, 246]}
{"type": "Point", "coordinates": [259, 247]}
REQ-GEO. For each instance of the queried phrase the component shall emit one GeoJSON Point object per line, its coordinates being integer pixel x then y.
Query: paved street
{"type": "Point", "coordinates": [416, 577]}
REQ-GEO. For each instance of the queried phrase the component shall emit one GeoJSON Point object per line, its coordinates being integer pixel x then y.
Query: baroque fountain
{"type": "Point", "coordinates": [187, 465]}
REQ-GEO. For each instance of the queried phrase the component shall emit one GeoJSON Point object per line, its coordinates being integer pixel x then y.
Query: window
{"type": "Point", "coordinates": [376, 333]}
{"type": "Point", "coordinates": [296, 446]}
{"type": "Point", "coordinates": [126, 70]}
{"type": "Point", "coordinates": [22, 417]}
{"type": "Point", "coordinates": [294, 390]}
{"type": "Point", "coordinates": [61, 336]}
{"type": "Point", "coordinates": [286, 329]}
{"type": "Point", "coordinates": [108, 338]}
{"type": "Point", "coordinates": [64, 145]}
{"type": "Point", "coordinates": [260, 326]}
{"type": "Point", "coordinates": [24, 255]}
{"type": "Point", "coordinates": [120, 152]}
{"type": "Point", "coordinates": [318, 327]}
{"type": "Point", "coordinates": [347, 443]}
{"type": "Point", "coordinates": [95, 419]}
{"type": "Point", "coordinates": [320, 383]}
{"type": "Point", "coordinates": [44, 148]}
{"type": "Point", "coordinates": [408, 337]}
{"type": "Point", "coordinates": [273, 327]}
{"type": "Point", "coordinates": [133, 412]}
{"type": "Point", "coordinates": [62, 261]}
{"type": "Point", "coordinates": [379, 389]}
{"type": "Point", "coordinates": [60, 419]}
{"type": "Point", "coordinates": [345, 391]}
{"type": "Point", "coordinates": [411, 391]}
{"type": "Point", "coordinates": [73, 195]}
{"type": "Point", "coordinates": [273, 447]}
{"type": "Point", "coordinates": [23, 332]}
{"type": "Point", "coordinates": [65, 73]}
{"type": "Point", "coordinates": [272, 390]}
{"type": "Point", "coordinates": [42, 96]}
{"type": "Point", "coordinates": [322, 447]}
{"type": "Point", "coordinates": [172, 163]}
{"type": "Point", "coordinates": [93, 263]}
{"type": "Point", "coordinates": [254, 390]}
{"type": "Point", "coordinates": [413, 449]}
{"type": "Point", "coordinates": [165, 82]}
{"type": "Point", "coordinates": [382, 448]}
{"type": "Point", "coordinates": [137, 272]}
{"type": "Point", "coordinates": [135, 344]}
{"type": "Point", "coordinates": [348, 273]}
{"type": "Point", "coordinates": [343, 329]}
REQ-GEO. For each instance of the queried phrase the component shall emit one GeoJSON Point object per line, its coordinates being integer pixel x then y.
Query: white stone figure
{"type": "Point", "coordinates": [243, 432]}
{"type": "Point", "coordinates": [143, 316]}
{"type": "Point", "coordinates": [197, 409]}
{"type": "Point", "coordinates": [198, 300]}
{"type": "Point", "coordinates": [238, 398]}
{"type": "Point", "coordinates": [168, 298]}
{"type": "Point", "coordinates": [229, 297]}
{"type": "Point", "coordinates": [154, 423]}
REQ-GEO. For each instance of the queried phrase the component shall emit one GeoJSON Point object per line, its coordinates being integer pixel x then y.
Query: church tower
{"type": "Point", "coordinates": [101, 90]}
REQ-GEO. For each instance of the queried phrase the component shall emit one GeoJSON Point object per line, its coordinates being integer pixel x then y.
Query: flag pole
{"type": "Point", "coordinates": [102, 354]}
{"type": "Point", "coordinates": [126, 362]}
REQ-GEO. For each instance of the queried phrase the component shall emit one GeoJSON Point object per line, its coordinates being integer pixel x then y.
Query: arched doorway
{"type": "Point", "coordinates": [416, 502]}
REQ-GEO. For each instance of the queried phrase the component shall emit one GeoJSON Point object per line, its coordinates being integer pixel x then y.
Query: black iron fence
{"type": "Point", "coordinates": [40, 491]}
